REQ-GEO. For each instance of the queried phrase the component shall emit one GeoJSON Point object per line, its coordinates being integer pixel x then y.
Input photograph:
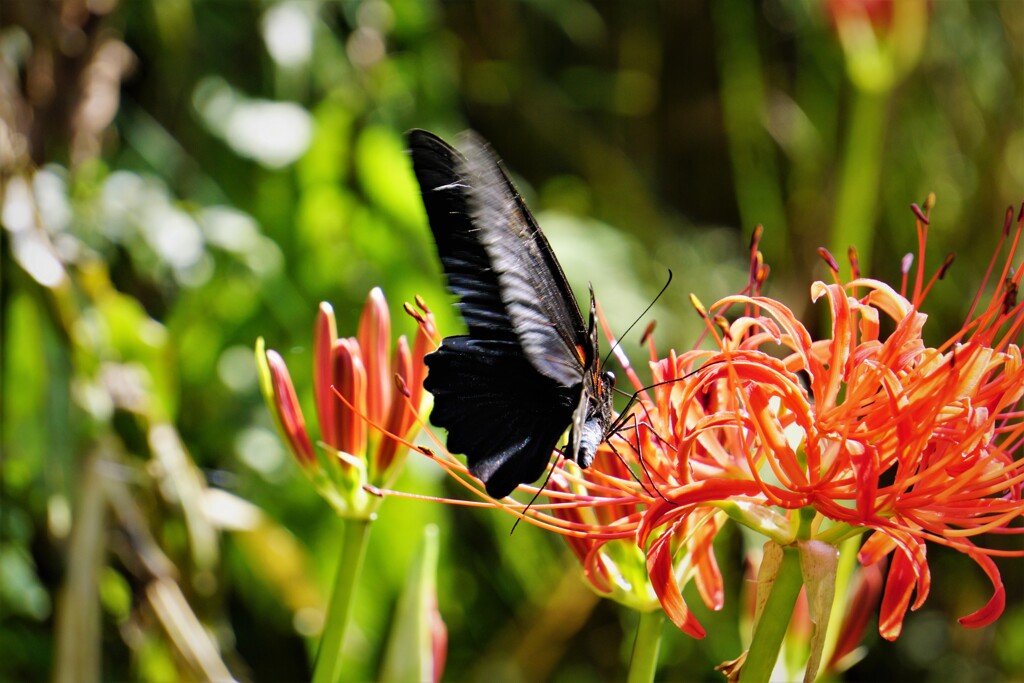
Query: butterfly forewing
{"type": "Point", "coordinates": [465, 261]}
{"type": "Point", "coordinates": [537, 296]}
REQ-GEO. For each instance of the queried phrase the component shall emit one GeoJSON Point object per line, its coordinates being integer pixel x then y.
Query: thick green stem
{"type": "Point", "coordinates": [78, 620]}
{"type": "Point", "coordinates": [770, 629]}
{"type": "Point", "coordinates": [328, 667]}
{"type": "Point", "coordinates": [856, 203]}
{"type": "Point", "coordinates": [751, 149]}
{"type": "Point", "coordinates": [643, 663]}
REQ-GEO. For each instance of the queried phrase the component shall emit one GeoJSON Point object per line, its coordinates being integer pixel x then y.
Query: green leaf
{"type": "Point", "coordinates": [386, 175]}
{"type": "Point", "coordinates": [410, 655]}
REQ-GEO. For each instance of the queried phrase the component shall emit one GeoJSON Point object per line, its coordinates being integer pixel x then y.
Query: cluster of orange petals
{"type": "Point", "coordinates": [358, 384]}
{"type": "Point", "coordinates": [871, 430]}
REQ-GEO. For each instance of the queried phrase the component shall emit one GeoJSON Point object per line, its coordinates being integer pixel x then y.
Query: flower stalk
{"type": "Point", "coordinates": [328, 667]}
{"type": "Point", "coordinates": [643, 663]}
{"type": "Point", "coordinates": [367, 404]}
{"type": "Point", "coordinates": [780, 579]}
{"type": "Point", "coordinates": [882, 42]}
{"type": "Point", "coordinates": [861, 167]}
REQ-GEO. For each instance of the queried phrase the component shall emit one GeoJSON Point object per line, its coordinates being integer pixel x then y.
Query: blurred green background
{"type": "Point", "coordinates": [182, 176]}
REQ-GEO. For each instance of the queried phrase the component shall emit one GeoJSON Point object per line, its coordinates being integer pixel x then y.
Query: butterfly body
{"type": "Point", "coordinates": [529, 366]}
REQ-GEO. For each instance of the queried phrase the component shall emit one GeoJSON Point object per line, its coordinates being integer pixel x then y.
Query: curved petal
{"type": "Point", "coordinates": [898, 588]}
{"type": "Point", "coordinates": [325, 332]}
{"type": "Point", "coordinates": [826, 386]}
{"type": "Point", "coordinates": [996, 604]}
{"type": "Point", "coordinates": [663, 580]}
{"type": "Point", "coordinates": [279, 391]}
{"type": "Point", "coordinates": [374, 339]}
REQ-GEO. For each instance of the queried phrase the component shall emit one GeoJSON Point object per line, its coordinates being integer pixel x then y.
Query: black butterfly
{"type": "Point", "coordinates": [529, 366]}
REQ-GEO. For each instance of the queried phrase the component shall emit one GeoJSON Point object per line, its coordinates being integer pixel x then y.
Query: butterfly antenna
{"type": "Point", "coordinates": [638, 319]}
{"type": "Point", "coordinates": [635, 396]}
{"type": "Point", "coordinates": [624, 417]}
{"type": "Point", "coordinates": [622, 422]}
{"type": "Point", "coordinates": [551, 470]}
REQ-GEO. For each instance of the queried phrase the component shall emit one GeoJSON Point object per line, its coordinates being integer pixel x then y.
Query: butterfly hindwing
{"type": "Point", "coordinates": [505, 416]}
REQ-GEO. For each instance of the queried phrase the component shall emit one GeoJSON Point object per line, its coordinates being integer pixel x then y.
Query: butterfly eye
{"type": "Point", "coordinates": [609, 378]}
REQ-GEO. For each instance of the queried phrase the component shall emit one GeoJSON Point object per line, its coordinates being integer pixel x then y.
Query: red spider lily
{"type": "Point", "coordinates": [912, 442]}
{"type": "Point", "coordinates": [805, 439]}
{"type": "Point", "coordinates": [357, 384]}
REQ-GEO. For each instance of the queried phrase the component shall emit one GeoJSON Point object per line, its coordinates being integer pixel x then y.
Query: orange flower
{"type": "Point", "coordinates": [356, 384]}
{"type": "Point", "coordinates": [885, 434]}
{"type": "Point", "coordinates": [812, 440]}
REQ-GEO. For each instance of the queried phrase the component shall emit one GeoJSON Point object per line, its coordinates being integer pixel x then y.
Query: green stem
{"type": "Point", "coordinates": [328, 667]}
{"type": "Point", "coordinates": [856, 202]}
{"type": "Point", "coordinates": [771, 628]}
{"type": "Point", "coordinates": [643, 663]}
{"type": "Point", "coordinates": [751, 149]}
{"type": "Point", "coordinates": [79, 617]}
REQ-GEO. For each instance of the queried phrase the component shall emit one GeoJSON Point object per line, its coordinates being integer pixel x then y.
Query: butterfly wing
{"type": "Point", "coordinates": [537, 297]}
{"type": "Point", "coordinates": [503, 405]}
{"type": "Point", "coordinates": [506, 417]}
{"type": "Point", "coordinates": [465, 261]}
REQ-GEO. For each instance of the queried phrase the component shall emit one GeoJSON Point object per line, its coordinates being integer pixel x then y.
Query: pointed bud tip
{"type": "Point", "coordinates": [376, 309]}
{"type": "Point", "coordinates": [906, 263]}
{"type": "Point", "coordinates": [276, 362]}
